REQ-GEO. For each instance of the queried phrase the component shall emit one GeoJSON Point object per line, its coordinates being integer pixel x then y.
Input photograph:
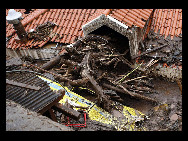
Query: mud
{"type": "Point", "coordinates": [161, 117]}
{"type": "Point", "coordinates": [110, 68]}
{"type": "Point", "coordinates": [21, 119]}
{"type": "Point", "coordinates": [165, 116]}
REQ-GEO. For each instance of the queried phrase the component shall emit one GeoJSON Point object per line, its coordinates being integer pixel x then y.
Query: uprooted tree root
{"type": "Point", "coordinates": [94, 60]}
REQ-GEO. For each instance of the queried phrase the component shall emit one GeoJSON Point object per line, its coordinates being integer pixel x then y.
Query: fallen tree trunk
{"type": "Point", "coordinates": [50, 64]}
{"type": "Point", "coordinates": [61, 78]}
{"type": "Point", "coordinates": [102, 99]}
{"type": "Point", "coordinates": [125, 91]}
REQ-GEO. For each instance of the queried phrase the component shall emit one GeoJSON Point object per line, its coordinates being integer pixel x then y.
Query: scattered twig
{"type": "Point", "coordinates": [140, 77]}
{"type": "Point", "coordinates": [122, 89]}
{"type": "Point", "coordinates": [120, 81]}
{"type": "Point", "coordinates": [133, 94]}
{"type": "Point", "coordinates": [149, 51]}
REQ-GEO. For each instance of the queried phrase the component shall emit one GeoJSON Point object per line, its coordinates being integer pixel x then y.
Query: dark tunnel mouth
{"type": "Point", "coordinates": [117, 40]}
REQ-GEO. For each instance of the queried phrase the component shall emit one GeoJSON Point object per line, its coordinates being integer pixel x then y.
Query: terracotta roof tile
{"type": "Point", "coordinates": [169, 21]}
{"type": "Point", "coordinates": [163, 22]}
{"type": "Point", "coordinates": [146, 12]}
{"type": "Point", "coordinates": [70, 21]}
{"type": "Point", "coordinates": [107, 11]}
{"type": "Point", "coordinates": [97, 13]}
{"type": "Point", "coordinates": [131, 16]}
{"type": "Point", "coordinates": [179, 28]}
{"type": "Point", "coordinates": [69, 24]}
{"type": "Point", "coordinates": [35, 14]}
{"type": "Point", "coordinates": [119, 16]}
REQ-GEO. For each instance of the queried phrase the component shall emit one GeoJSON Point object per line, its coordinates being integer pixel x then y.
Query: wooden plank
{"type": "Point", "coordinates": [52, 115]}
{"type": "Point", "coordinates": [49, 106]}
{"type": "Point", "coordinates": [11, 82]}
{"type": "Point", "coordinates": [67, 111]}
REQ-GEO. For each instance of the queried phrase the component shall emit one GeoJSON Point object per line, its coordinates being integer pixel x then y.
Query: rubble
{"type": "Point", "coordinates": [94, 66]}
{"type": "Point", "coordinates": [108, 79]}
{"type": "Point", "coordinates": [167, 53]}
{"type": "Point", "coordinates": [174, 117]}
{"type": "Point", "coordinates": [42, 31]}
{"type": "Point", "coordinates": [88, 68]}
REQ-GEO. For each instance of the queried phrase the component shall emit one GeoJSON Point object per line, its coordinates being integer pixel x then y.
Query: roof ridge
{"type": "Point", "coordinates": [107, 11]}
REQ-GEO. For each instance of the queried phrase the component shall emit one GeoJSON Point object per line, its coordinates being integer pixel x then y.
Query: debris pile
{"type": "Point", "coordinates": [171, 53]}
{"type": "Point", "coordinates": [97, 77]}
{"type": "Point", "coordinates": [92, 62]}
{"type": "Point", "coordinates": [93, 66]}
{"type": "Point", "coordinates": [42, 32]}
{"type": "Point", "coordinates": [164, 54]}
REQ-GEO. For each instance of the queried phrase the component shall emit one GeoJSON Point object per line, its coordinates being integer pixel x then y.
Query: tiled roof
{"type": "Point", "coordinates": [69, 25]}
{"type": "Point", "coordinates": [9, 28]}
{"type": "Point", "coordinates": [70, 21]}
{"type": "Point", "coordinates": [167, 22]}
{"type": "Point", "coordinates": [130, 17]}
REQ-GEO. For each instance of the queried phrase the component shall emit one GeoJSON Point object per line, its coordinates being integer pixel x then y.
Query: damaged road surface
{"type": "Point", "coordinates": [100, 83]}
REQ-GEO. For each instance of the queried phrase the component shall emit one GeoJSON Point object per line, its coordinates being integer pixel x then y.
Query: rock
{"type": "Point", "coordinates": [172, 106]}
{"type": "Point", "coordinates": [174, 117]}
{"type": "Point", "coordinates": [117, 114]}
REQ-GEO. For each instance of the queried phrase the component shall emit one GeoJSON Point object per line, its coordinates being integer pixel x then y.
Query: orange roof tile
{"type": "Point", "coordinates": [128, 17]}
{"type": "Point", "coordinates": [131, 16]}
{"type": "Point", "coordinates": [107, 11]}
{"type": "Point", "coordinates": [69, 25]}
{"type": "Point", "coordinates": [70, 21]}
{"type": "Point", "coordinates": [168, 21]}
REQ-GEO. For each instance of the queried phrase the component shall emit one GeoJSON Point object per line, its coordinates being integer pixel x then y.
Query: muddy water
{"type": "Point", "coordinates": [167, 92]}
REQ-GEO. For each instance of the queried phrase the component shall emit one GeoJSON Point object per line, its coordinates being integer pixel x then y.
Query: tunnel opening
{"type": "Point", "coordinates": [115, 39]}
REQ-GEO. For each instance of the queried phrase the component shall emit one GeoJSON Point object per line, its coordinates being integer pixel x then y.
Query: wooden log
{"type": "Point", "coordinates": [52, 115]}
{"type": "Point", "coordinates": [125, 91]}
{"type": "Point", "coordinates": [61, 78]}
{"type": "Point", "coordinates": [102, 99]}
{"type": "Point", "coordinates": [113, 88]}
{"type": "Point", "coordinates": [50, 64]}
{"type": "Point", "coordinates": [67, 111]}
{"type": "Point", "coordinates": [149, 51]}
{"type": "Point", "coordinates": [133, 94]}
{"type": "Point", "coordinates": [140, 77]}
